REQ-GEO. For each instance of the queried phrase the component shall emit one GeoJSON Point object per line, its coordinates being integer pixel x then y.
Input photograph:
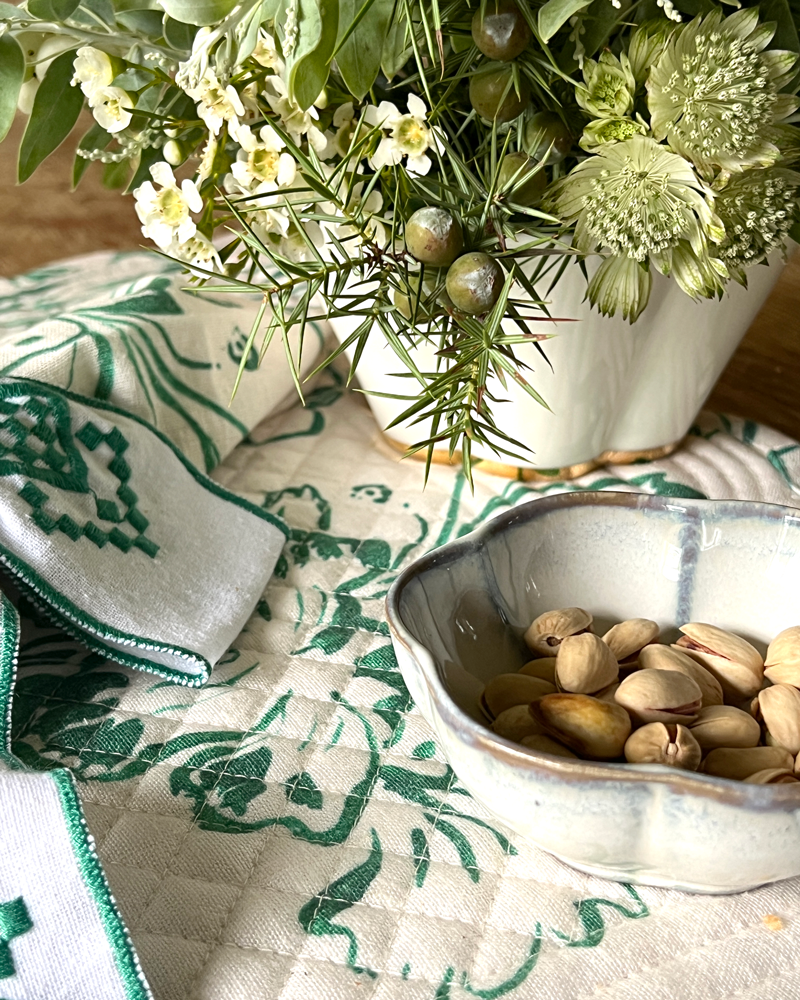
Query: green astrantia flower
{"type": "Point", "coordinates": [621, 284]}
{"type": "Point", "coordinates": [646, 45]}
{"type": "Point", "coordinates": [757, 209]}
{"type": "Point", "coordinates": [603, 130]}
{"type": "Point", "coordinates": [699, 274]}
{"type": "Point", "coordinates": [636, 199]}
{"type": "Point", "coordinates": [713, 93]}
{"type": "Point", "coordinates": [610, 87]}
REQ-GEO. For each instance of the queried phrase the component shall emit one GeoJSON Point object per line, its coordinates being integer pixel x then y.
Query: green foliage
{"type": "Point", "coordinates": [555, 13]}
{"type": "Point", "coordinates": [199, 12]}
{"type": "Point", "coordinates": [359, 53]}
{"type": "Point", "coordinates": [308, 64]}
{"type": "Point", "coordinates": [12, 72]}
{"type": "Point", "coordinates": [55, 110]}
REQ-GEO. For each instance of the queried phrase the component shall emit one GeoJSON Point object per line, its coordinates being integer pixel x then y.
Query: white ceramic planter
{"type": "Point", "coordinates": [616, 390]}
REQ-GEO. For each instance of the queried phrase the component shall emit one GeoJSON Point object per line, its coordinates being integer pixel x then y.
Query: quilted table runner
{"type": "Point", "coordinates": [216, 784]}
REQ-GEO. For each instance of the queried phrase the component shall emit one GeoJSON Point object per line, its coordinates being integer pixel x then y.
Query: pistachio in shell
{"type": "Point", "coordinates": [547, 631]}
{"type": "Point", "coordinates": [543, 667]}
{"type": "Point", "coordinates": [660, 743]}
{"type": "Point", "coordinates": [672, 658]}
{"type": "Point", "coordinates": [736, 664]}
{"type": "Point", "coordinates": [516, 723]}
{"type": "Point", "coordinates": [772, 776]}
{"type": "Point", "coordinates": [584, 664]}
{"type": "Point", "coordinates": [507, 690]}
{"type": "Point", "coordinates": [628, 637]}
{"type": "Point", "coordinates": [660, 696]}
{"type": "Point", "coordinates": [782, 663]}
{"type": "Point", "coordinates": [740, 762]}
{"type": "Point", "coordinates": [590, 727]}
{"type": "Point", "coordinates": [546, 744]}
{"type": "Point", "coordinates": [780, 710]}
{"type": "Point", "coordinates": [725, 726]}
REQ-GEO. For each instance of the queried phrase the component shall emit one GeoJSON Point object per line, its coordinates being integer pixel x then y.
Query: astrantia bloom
{"type": "Point", "coordinates": [609, 88]}
{"type": "Point", "coordinates": [165, 214]}
{"type": "Point", "coordinates": [757, 210]}
{"type": "Point", "coordinates": [634, 198]}
{"type": "Point", "coordinates": [409, 136]}
{"type": "Point", "coordinates": [111, 108]}
{"type": "Point", "coordinates": [713, 92]}
{"type": "Point", "coordinates": [621, 284]}
{"type": "Point", "coordinates": [93, 70]}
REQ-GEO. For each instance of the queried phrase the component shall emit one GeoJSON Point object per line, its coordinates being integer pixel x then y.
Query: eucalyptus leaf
{"type": "Point", "coordinates": [786, 30]}
{"type": "Point", "coordinates": [52, 10]}
{"type": "Point", "coordinates": [115, 175]}
{"type": "Point", "coordinates": [146, 22]}
{"type": "Point", "coordinates": [12, 72]}
{"type": "Point", "coordinates": [90, 12]}
{"type": "Point", "coordinates": [396, 48]}
{"type": "Point", "coordinates": [308, 65]}
{"type": "Point", "coordinates": [55, 110]}
{"type": "Point", "coordinates": [179, 34]}
{"type": "Point", "coordinates": [133, 79]}
{"type": "Point", "coordinates": [125, 5]}
{"type": "Point", "coordinates": [556, 13]}
{"type": "Point", "coordinates": [359, 58]}
{"type": "Point", "coordinates": [8, 12]}
{"type": "Point", "coordinates": [198, 12]}
{"type": "Point", "coordinates": [269, 9]}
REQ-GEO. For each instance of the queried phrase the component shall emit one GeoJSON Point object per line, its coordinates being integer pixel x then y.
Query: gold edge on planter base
{"type": "Point", "coordinates": [442, 457]}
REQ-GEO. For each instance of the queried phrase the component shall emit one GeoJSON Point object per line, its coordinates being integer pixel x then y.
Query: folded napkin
{"type": "Point", "coordinates": [290, 828]}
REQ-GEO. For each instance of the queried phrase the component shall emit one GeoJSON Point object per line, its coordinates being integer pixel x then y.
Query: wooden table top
{"type": "Point", "coordinates": [44, 221]}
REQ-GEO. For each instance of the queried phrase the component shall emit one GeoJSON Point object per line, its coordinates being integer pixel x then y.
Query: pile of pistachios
{"type": "Point", "coordinates": [708, 702]}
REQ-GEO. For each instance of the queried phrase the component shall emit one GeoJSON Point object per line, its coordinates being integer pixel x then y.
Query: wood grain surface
{"type": "Point", "coordinates": [44, 220]}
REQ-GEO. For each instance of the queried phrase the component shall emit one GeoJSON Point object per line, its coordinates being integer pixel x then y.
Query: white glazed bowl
{"type": "Point", "coordinates": [457, 616]}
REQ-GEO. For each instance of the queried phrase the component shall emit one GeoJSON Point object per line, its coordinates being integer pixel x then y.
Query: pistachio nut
{"type": "Point", "coordinates": [507, 690]}
{"type": "Point", "coordinates": [780, 710]}
{"type": "Point", "coordinates": [725, 726]}
{"type": "Point", "coordinates": [673, 658]}
{"type": "Point", "coordinates": [584, 664]}
{"type": "Point", "coordinates": [627, 638]}
{"type": "Point", "coordinates": [547, 631]}
{"type": "Point", "coordinates": [546, 744]}
{"type": "Point", "coordinates": [660, 696]}
{"type": "Point", "coordinates": [591, 727]}
{"type": "Point", "coordinates": [544, 667]}
{"type": "Point", "coordinates": [782, 664]}
{"type": "Point", "coordinates": [657, 743]}
{"type": "Point", "coordinates": [732, 660]}
{"type": "Point", "coordinates": [515, 723]}
{"type": "Point", "coordinates": [740, 762]}
{"type": "Point", "coordinates": [772, 776]}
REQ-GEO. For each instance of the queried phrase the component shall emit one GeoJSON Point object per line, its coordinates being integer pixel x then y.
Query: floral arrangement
{"type": "Point", "coordinates": [428, 166]}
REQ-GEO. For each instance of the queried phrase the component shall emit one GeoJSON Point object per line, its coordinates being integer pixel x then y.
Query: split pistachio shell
{"type": "Point", "coordinates": [657, 743]}
{"type": "Point", "coordinates": [739, 763]}
{"type": "Point", "coordinates": [782, 665]}
{"type": "Point", "coordinates": [627, 638]}
{"type": "Point", "coordinates": [584, 664]}
{"type": "Point", "coordinates": [725, 726]}
{"type": "Point", "coordinates": [660, 696]}
{"type": "Point", "coordinates": [780, 710]}
{"type": "Point", "coordinates": [547, 631]}
{"type": "Point", "coordinates": [591, 727]}
{"type": "Point", "coordinates": [547, 744]}
{"type": "Point", "coordinates": [516, 723]}
{"type": "Point", "coordinates": [544, 667]}
{"type": "Point", "coordinates": [507, 690]}
{"type": "Point", "coordinates": [734, 662]}
{"type": "Point", "coordinates": [772, 776]}
{"type": "Point", "coordinates": [672, 658]}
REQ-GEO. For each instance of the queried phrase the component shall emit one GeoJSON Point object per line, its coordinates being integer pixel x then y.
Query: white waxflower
{"type": "Point", "coordinates": [295, 120]}
{"type": "Point", "coordinates": [266, 54]}
{"type": "Point", "coordinates": [294, 245]}
{"type": "Point", "coordinates": [207, 158]}
{"type": "Point", "coordinates": [409, 135]}
{"type": "Point", "coordinates": [111, 108]}
{"type": "Point", "coordinates": [52, 46]}
{"type": "Point", "coordinates": [165, 214]}
{"type": "Point", "coordinates": [93, 71]}
{"type": "Point", "coordinates": [27, 94]}
{"type": "Point", "coordinates": [216, 103]}
{"type": "Point", "coordinates": [261, 165]}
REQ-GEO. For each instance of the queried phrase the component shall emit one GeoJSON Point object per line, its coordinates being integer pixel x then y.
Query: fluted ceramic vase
{"type": "Point", "coordinates": [616, 391]}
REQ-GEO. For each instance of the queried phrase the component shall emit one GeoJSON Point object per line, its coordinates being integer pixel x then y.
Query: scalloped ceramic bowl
{"type": "Point", "coordinates": [457, 616]}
